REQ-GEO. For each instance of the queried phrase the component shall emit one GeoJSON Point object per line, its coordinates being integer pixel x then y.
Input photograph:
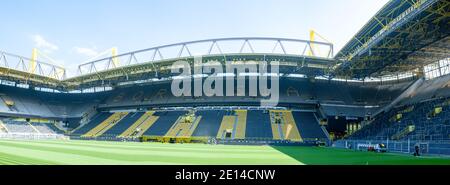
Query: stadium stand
{"type": "Point", "coordinates": [121, 112]}
{"type": "Point", "coordinates": [165, 120]}
{"type": "Point", "coordinates": [427, 120]}
{"type": "Point", "coordinates": [19, 129]}
{"type": "Point", "coordinates": [283, 126]}
{"type": "Point", "coordinates": [226, 130]}
{"type": "Point", "coordinates": [123, 124]}
{"type": "Point", "coordinates": [364, 92]}
{"type": "Point", "coordinates": [140, 126]}
{"type": "Point", "coordinates": [291, 90]}
{"type": "Point", "coordinates": [210, 123]}
{"type": "Point", "coordinates": [232, 124]}
{"type": "Point", "coordinates": [258, 124]}
{"type": "Point", "coordinates": [32, 103]}
{"type": "Point", "coordinates": [93, 123]}
{"type": "Point", "coordinates": [105, 125]}
{"type": "Point", "coordinates": [43, 128]}
{"type": "Point", "coordinates": [184, 126]}
{"type": "Point", "coordinates": [308, 125]}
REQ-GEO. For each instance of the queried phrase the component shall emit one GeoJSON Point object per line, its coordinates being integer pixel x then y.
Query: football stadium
{"type": "Point", "coordinates": [383, 99]}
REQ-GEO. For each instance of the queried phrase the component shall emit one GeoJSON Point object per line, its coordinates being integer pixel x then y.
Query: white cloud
{"type": "Point", "coordinates": [43, 44]}
{"type": "Point", "coordinates": [89, 52]}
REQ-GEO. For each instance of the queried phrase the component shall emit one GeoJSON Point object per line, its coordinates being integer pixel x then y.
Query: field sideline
{"type": "Point", "coordinates": [77, 152]}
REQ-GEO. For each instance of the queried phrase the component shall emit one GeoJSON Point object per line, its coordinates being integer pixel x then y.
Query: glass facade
{"type": "Point", "coordinates": [437, 69]}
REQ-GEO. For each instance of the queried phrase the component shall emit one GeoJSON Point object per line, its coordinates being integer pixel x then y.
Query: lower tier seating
{"type": "Point", "coordinates": [425, 121]}
{"type": "Point", "coordinates": [220, 124]}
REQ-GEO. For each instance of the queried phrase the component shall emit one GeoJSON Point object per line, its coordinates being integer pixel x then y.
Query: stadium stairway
{"type": "Point", "coordinates": [276, 127]}
{"type": "Point", "coordinates": [163, 123]}
{"type": "Point", "coordinates": [226, 127]}
{"type": "Point", "coordinates": [57, 129]}
{"type": "Point", "coordinates": [209, 124]}
{"type": "Point", "coordinates": [34, 128]}
{"type": "Point", "coordinates": [45, 128]}
{"type": "Point", "coordinates": [123, 124]}
{"type": "Point", "coordinates": [241, 124]}
{"type": "Point", "coordinates": [97, 119]}
{"type": "Point", "coordinates": [14, 126]}
{"type": "Point", "coordinates": [184, 126]}
{"type": "Point", "coordinates": [284, 126]}
{"type": "Point", "coordinates": [233, 126]}
{"type": "Point", "coordinates": [3, 128]}
{"type": "Point", "coordinates": [140, 126]}
{"type": "Point", "coordinates": [106, 124]}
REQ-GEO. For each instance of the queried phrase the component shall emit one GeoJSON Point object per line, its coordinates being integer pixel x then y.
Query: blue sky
{"type": "Point", "coordinates": [73, 31]}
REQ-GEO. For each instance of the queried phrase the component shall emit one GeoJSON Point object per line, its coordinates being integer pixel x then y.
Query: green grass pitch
{"type": "Point", "coordinates": [101, 152]}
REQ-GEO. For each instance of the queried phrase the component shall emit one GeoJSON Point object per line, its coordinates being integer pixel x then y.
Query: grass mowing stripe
{"type": "Point", "coordinates": [166, 147]}
{"type": "Point", "coordinates": [161, 145]}
{"type": "Point", "coordinates": [14, 159]}
{"type": "Point", "coordinates": [54, 157]}
{"type": "Point", "coordinates": [7, 160]}
{"type": "Point", "coordinates": [174, 147]}
{"type": "Point", "coordinates": [139, 145]}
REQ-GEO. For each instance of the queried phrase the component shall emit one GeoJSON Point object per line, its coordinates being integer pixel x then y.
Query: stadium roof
{"type": "Point", "coordinates": [294, 55]}
{"type": "Point", "coordinates": [402, 36]}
